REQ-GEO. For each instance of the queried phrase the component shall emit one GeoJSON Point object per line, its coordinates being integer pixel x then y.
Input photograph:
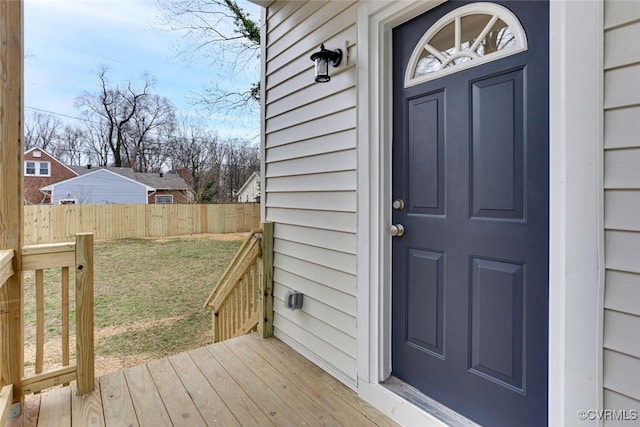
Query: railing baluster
{"type": "Point", "coordinates": [39, 321]}
{"type": "Point", "coordinates": [65, 315]}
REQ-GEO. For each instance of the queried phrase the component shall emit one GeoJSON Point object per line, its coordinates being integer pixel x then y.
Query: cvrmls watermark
{"type": "Point", "coordinates": [609, 415]}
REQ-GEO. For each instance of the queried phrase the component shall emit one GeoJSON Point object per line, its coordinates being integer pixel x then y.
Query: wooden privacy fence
{"type": "Point", "coordinates": [242, 300]}
{"type": "Point", "coordinates": [60, 223]}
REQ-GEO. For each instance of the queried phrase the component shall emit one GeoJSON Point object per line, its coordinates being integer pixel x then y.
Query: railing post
{"type": "Point", "coordinates": [265, 324]}
{"type": "Point", "coordinates": [84, 313]}
{"type": "Point", "coordinates": [11, 195]}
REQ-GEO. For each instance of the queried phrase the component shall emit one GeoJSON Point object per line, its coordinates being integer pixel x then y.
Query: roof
{"type": "Point", "coordinates": [95, 171]}
{"type": "Point", "coordinates": [51, 157]}
{"type": "Point", "coordinates": [255, 175]}
{"type": "Point", "coordinates": [164, 181]}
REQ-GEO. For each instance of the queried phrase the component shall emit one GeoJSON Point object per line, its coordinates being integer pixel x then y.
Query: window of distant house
{"type": "Point", "coordinates": [164, 199]}
{"type": "Point", "coordinates": [468, 36]}
{"type": "Point", "coordinates": [33, 168]}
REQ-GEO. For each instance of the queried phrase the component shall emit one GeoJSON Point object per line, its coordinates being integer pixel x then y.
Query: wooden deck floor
{"type": "Point", "coordinates": [245, 381]}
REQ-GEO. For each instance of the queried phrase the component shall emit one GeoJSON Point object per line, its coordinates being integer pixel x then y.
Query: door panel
{"type": "Point", "coordinates": [470, 274]}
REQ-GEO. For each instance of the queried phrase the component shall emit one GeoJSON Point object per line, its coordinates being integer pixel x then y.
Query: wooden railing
{"type": "Point", "coordinates": [79, 255]}
{"type": "Point", "coordinates": [242, 299]}
{"type": "Point", "coordinates": [6, 393]}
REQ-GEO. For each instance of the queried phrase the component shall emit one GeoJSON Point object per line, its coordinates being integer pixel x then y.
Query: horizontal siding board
{"type": "Point", "coordinates": [331, 19]}
{"type": "Point", "coordinates": [334, 240]}
{"type": "Point", "coordinates": [622, 128]}
{"type": "Point", "coordinates": [309, 92]}
{"type": "Point", "coordinates": [621, 168]}
{"type": "Point", "coordinates": [329, 162]}
{"type": "Point", "coordinates": [622, 292]}
{"type": "Point", "coordinates": [331, 181]}
{"type": "Point", "coordinates": [321, 329]}
{"type": "Point", "coordinates": [617, 327]}
{"type": "Point", "coordinates": [622, 249]}
{"type": "Point", "coordinates": [339, 101]}
{"type": "Point", "coordinates": [290, 17]}
{"type": "Point", "coordinates": [276, 7]}
{"type": "Point", "coordinates": [619, 402]}
{"type": "Point", "coordinates": [338, 360]}
{"type": "Point", "coordinates": [337, 221]}
{"type": "Point", "coordinates": [621, 87]}
{"type": "Point", "coordinates": [620, 12]}
{"type": "Point", "coordinates": [298, 60]}
{"type": "Point", "coordinates": [329, 124]}
{"type": "Point", "coordinates": [622, 373]}
{"type": "Point", "coordinates": [617, 49]}
{"type": "Point", "coordinates": [338, 201]}
{"type": "Point", "coordinates": [283, 89]}
{"type": "Point", "coordinates": [622, 209]}
{"type": "Point", "coordinates": [323, 275]}
{"type": "Point", "coordinates": [334, 298]}
{"type": "Point", "coordinates": [320, 311]}
{"type": "Point", "coordinates": [340, 141]}
{"type": "Point", "coordinates": [335, 260]}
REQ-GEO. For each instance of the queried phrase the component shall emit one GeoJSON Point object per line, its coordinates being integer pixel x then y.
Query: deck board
{"type": "Point", "coordinates": [146, 399]}
{"type": "Point", "coordinates": [214, 411]}
{"type": "Point", "coordinates": [55, 408]}
{"type": "Point", "coordinates": [86, 409]}
{"type": "Point", "coordinates": [246, 381]}
{"type": "Point", "coordinates": [181, 409]}
{"type": "Point", "coordinates": [295, 397]}
{"type": "Point", "coordinates": [117, 405]}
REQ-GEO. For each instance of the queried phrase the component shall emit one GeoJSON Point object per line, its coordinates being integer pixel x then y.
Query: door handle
{"type": "Point", "coordinates": [396, 230]}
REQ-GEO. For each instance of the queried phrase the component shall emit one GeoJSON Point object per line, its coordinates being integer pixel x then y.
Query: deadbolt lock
{"type": "Point", "coordinates": [398, 204]}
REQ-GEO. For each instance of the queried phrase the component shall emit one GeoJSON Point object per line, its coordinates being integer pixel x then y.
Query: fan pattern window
{"type": "Point", "coordinates": [466, 37]}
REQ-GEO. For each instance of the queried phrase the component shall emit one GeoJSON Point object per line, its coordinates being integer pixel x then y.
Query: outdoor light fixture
{"type": "Point", "coordinates": [322, 60]}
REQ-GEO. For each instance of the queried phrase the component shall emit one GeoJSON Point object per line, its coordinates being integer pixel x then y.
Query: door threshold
{"type": "Point", "coordinates": [427, 404]}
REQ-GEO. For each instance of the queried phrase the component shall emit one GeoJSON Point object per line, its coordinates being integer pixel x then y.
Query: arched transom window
{"type": "Point", "coordinates": [468, 36]}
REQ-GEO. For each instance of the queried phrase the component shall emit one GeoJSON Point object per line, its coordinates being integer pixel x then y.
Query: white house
{"type": "Point", "coordinates": [459, 204]}
{"type": "Point", "coordinates": [250, 190]}
{"type": "Point", "coordinates": [99, 186]}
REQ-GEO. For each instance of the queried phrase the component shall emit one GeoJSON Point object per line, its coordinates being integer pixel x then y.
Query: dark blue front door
{"type": "Point", "coordinates": [470, 274]}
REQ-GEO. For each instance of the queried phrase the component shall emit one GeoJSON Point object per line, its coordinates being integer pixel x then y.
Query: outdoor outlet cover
{"type": "Point", "coordinates": [293, 300]}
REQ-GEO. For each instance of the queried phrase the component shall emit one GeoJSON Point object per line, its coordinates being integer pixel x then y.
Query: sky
{"type": "Point", "coordinates": [67, 41]}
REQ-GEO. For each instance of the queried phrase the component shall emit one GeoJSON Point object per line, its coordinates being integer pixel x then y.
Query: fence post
{"type": "Point", "coordinates": [84, 313]}
{"type": "Point", "coordinates": [265, 324]}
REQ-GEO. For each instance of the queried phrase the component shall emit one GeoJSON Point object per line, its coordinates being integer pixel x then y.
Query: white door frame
{"type": "Point", "coordinates": [576, 245]}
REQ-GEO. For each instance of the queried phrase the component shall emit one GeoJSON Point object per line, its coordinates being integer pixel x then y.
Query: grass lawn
{"type": "Point", "coordinates": [148, 299]}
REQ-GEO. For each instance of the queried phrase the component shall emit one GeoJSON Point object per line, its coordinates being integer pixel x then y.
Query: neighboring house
{"type": "Point", "coordinates": [502, 138]}
{"type": "Point", "coordinates": [161, 188]}
{"type": "Point", "coordinates": [42, 169]}
{"type": "Point", "coordinates": [98, 186]}
{"type": "Point", "coordinates": [250, 190]}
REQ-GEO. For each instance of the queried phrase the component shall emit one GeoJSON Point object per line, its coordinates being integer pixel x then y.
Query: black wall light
{"type": "Point", "coordinates": [322, 60]}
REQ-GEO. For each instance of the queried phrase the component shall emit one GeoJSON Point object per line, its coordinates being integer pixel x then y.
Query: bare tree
{"type": "Point", "coordinates": [125, 124]}
{"type": "Point", "coordinates": [41, 130]}
{"type": "Point", "coordinates": [72, 148]}
{"type": "Point", "coordinates": [113, 108]}
{"type": "Point", "coordinates": [222, 32]}
{"type": "Point", "coordinates": [143, 144]}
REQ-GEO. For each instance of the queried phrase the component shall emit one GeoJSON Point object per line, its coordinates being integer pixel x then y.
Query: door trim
{"type": "Point", "coordinates": [576, 249]}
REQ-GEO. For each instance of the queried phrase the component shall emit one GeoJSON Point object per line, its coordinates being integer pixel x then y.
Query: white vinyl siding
{"type": "Point", "coordinates": [100, 187]}
{"type": "Point", "coordinates": [310, 180]}
{"type": "Point", "coordinates": [621, 354]}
